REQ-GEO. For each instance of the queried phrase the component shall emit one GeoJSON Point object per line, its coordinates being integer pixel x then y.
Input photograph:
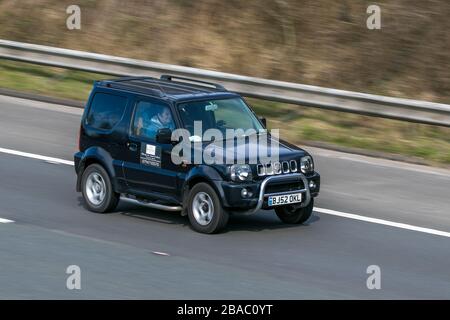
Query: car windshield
{"type": "Point", "coordinates": [222, 114]}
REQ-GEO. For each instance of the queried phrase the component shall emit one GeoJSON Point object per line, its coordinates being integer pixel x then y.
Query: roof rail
{"type": "Point", "coordinates": [169, 77]}
{"type": "Point", "coordinates": [136, 88]}
{"type": "Point", "coordinates": [132, 78]}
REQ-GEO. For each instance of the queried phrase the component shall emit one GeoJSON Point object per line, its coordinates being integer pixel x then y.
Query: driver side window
{"type": "Point", "coordinates": [149, 117]}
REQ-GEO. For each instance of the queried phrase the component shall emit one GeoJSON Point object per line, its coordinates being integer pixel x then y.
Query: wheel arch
{"type": "Point", "coordinates": [96, 155]}
{"type": "Point", "coordinates": [197, 175]}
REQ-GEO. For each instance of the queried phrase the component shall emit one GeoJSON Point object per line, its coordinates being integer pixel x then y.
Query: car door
{"type": "Point", "coordinates": [148, 167]}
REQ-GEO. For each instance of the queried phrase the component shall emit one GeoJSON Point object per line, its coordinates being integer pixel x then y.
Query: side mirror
{"type": "Point", "coordinates": [164, 136]}
{"type": "Point", "coordinates": [263, 121]}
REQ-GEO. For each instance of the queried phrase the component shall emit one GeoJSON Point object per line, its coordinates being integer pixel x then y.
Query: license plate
{"type": "Point", "coordinates": [285, 199]}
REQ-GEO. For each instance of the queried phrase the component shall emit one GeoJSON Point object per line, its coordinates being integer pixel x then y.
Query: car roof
{"type": "Point", "coordinates": [168, 87]}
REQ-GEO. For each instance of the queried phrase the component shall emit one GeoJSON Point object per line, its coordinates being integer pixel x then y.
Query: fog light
{"type": "Point", "coordinates": [246, 193]}
{"type": "Point", "coordinates": [312, 185]}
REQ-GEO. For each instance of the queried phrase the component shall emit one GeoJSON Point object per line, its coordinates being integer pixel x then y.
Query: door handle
{"type": "Point", "coordinates": [132, 146]}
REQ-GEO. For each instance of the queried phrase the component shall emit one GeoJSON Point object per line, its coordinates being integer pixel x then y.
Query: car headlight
{"type": "Point", "coordinates": [240, 172]}
{"type": "Point", "coordinates": [306, 164]}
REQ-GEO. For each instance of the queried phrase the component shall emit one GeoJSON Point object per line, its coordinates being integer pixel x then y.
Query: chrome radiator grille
{"type": "Point", "coordinates": [277, 167]}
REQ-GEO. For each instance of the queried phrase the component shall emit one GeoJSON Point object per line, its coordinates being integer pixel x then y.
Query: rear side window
{"type": "Point", "coordinates": [106, 111]}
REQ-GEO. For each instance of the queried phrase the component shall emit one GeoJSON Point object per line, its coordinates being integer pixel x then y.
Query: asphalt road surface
{"type": "Point", "coordinates": [370, 212]}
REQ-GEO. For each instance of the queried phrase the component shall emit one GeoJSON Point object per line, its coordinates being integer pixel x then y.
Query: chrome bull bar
{"type": "Point", "coordinates": [286, 177]}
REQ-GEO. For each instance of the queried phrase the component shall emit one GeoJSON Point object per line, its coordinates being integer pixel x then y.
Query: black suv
{"type": "Point", "coordinates": [128, 134]}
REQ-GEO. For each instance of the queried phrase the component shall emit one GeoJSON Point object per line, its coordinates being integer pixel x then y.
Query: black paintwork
{"type": "Point", "coordinates": [117, 150]}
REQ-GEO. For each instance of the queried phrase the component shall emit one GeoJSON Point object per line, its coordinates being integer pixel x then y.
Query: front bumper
{"type": "Point", "coordinates": [261, 190]}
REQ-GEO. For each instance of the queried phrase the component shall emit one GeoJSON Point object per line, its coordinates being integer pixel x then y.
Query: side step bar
{"type": "Point", "coordinates": [151, 204]}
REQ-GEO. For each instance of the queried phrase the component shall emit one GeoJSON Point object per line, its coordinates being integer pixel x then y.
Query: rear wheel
{"type": "Point", "coordinates": [205, 211]}
{"type": "Point", "coordinates": [97, 189]}
{"type": "Point", "coordinates": [290, 214]}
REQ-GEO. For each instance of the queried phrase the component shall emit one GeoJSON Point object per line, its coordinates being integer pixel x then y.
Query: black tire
{"type": "Point", "coordinates": [219, 216]}
{"type": "Point", "coordinates": [295, 216]}
{"type": "Point", "coordinates": [111, 198]}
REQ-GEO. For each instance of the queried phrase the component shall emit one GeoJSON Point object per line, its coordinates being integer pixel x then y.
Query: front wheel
{"type": "Point", "coordinates": [205, 211]}
{"type": "Point", "coordinates": [290, 214]}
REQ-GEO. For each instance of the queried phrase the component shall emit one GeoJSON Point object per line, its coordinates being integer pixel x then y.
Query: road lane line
{"type": "Point", "coordinates": [383, 222]}
{"type": "Point", "coordinates": [320, 210]}
{"type": "Point", "coordinates": [158, 253]}
{"type": "Point", "coordinates": [379, 162]}
{"type": "Point", "coordinates": [36, 156]}
{"type": "Point", "coordinates": [2, 220]}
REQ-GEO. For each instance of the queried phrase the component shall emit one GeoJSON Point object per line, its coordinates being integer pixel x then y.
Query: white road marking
{"type": "Point", "coordinates": [383, 222]}
{"type": "Point", "coordinates": [2, 220]}
{"type": "Point", "coordinates": [320, 210]}
{"type": "Point", "coordinates": [161, 253]}
{"type": "Point", "coordinates": [36, 156]}
{"type": "Point", "coordinates": [379, 161]}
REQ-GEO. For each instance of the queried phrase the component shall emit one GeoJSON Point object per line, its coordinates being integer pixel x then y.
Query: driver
{"type": "Point", "coordinates": [162, 119]}
{"type": "Point", "coordinates": [148, 127]}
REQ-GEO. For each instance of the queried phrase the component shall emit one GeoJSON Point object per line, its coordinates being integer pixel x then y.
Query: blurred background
{"type": "Point", "coordinates": [316, 42]}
